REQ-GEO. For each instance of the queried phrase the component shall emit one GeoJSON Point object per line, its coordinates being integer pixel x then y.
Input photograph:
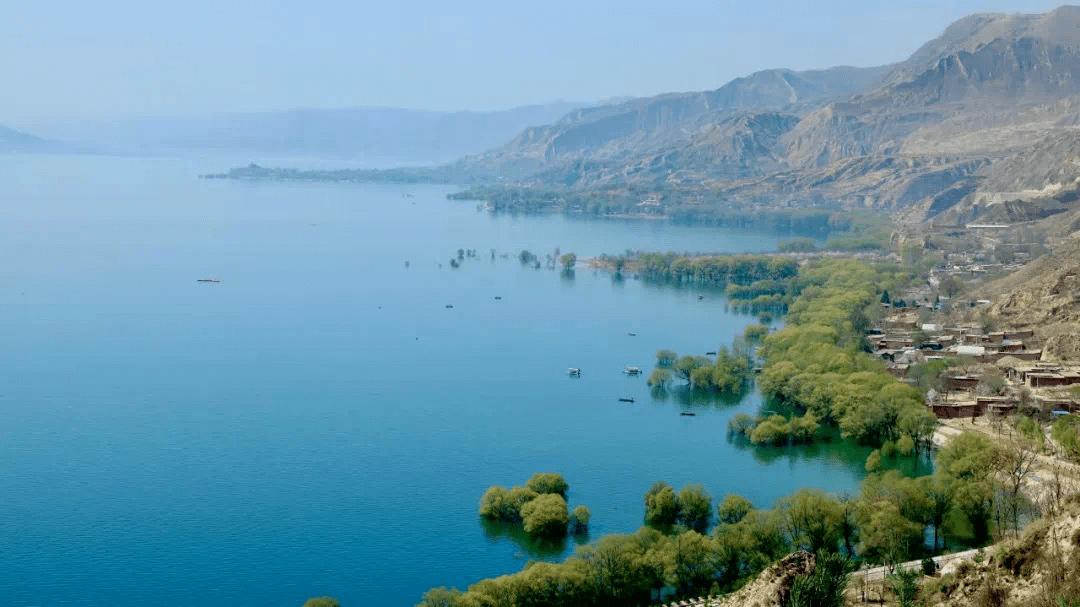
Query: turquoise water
{"type": "Point", "coordinates": [319, 422]}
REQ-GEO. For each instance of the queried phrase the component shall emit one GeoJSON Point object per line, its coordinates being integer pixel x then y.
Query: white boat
{"type": "Point", "coordinates": [632, 370]}
{"type": "Point", "coordinates": [573, 371]}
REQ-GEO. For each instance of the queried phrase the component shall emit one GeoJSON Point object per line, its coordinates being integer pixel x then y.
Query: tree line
{"type": "Point", "coordinates": [691, 547]}
{"type": "Point", "coordinates": [818, 364]}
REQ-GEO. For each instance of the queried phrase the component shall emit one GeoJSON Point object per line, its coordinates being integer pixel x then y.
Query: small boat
{"type": "Point", "coordinates": [710, 354]}
{"type": "Point", "coordinates": [632, 370]}
{"type": "Point", "coordinates": [632, 334]}
{"type": "Point", "coordinates": [498, 297]}
{"type": "Point", "coordinates": [573, 371]}
{"type": "Point", "coordinates": [207, 280]}
{"type": "Point", "coordinates": [449, 306]}
{"type": "Point", "coordinates": [688, 414]}
{"type": "Point", "coordinates": [626, 400]}
{"type": "Point", "coordinates": [701, 297]}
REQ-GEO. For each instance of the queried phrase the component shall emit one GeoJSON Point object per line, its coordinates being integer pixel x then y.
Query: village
{"type": "Point", "coordinates": [967, 371]}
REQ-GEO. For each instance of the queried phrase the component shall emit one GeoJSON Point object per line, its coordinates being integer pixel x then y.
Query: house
{"type": "Point", "coordinates": [970, 350]}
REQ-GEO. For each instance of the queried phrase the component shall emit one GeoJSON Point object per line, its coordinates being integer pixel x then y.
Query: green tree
{"type": "Point", "coordinates": [733, 509]}
{"type": "Point", "coordinates": [694, 507]}
{"type": "Point", "coordinates": [323, 601]}
{"type": "Point", "coordinates": [686, 365]}
{"type": "Point", "coordinates": [969, 460]}
{"type": "Point", "coordinates": [548, 482]}
{"type": "Point", "coordinates": [660, 378]}
{"type": "Point", "coordinates": [755, 333]}
{"type": "Point", "coordinates": [580, 519]}
{"type": "Point", "coordinates": [568, 261]}
{"type": "Point", "coordinates": [666, 358]}
{"type": "Point", "coordinates": [545, 515]}
{"type": "Point", "coordinates": [661, 507]}
{"type": "Point", "coordinates": [814, 520]}
{"type": "Point", "coordinates": [885, 535]}
{"type": "Point", "coordinates": [873, 461]}
{"type": "Point", "coordinates": [436, 597]}
{"type": "Point", "coordinates": [939, 491]}
{"type": "Point", "coordinates": [494, 504]}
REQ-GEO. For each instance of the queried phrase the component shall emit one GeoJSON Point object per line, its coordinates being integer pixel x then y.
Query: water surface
{"type": "Point", "coordinates": [319, 422]}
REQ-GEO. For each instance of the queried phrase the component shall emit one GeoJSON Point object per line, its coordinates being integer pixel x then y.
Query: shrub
{"type": "Point", "coordinates": [929, 567]}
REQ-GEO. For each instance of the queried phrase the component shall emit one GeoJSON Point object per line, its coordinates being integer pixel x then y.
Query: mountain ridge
{"type": "Point", "coordinates": [984, 114]}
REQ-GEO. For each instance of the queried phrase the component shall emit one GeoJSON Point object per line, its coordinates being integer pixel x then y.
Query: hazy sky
{"type": "Point", "coordinates": [112, 58]}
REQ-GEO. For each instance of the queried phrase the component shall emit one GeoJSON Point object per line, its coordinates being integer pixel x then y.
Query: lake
{"type": "Point", "coordinates": [320, 422]}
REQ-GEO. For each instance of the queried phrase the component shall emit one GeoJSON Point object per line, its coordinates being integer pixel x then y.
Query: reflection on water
{"type": "Point", "coordinates": [828, 446]}
{"type": "Point", "coordinates": [546, 548]}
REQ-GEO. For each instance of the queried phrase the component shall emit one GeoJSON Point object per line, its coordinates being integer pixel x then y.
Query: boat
{"type": "Point", "coordinates": [701, 297]}
{"type": "Point", "coordinates": [207, 280]}
{"type": "Point", "coordinates": [449, 306]}
{"type": "Point", "coordinates": [710, 354]}
{"type": "Point", "coordinates": [688, 414]}
{"type": "Point", "coordinates": [574, 371]}
{"type": "Point", "coordinates": [632, 370]}
{"type": "Point", "coordinates": [632, 334]}
{"type": "Point", "coordinates": [626, 400]}
{"type": "Point", "coordinates": [498, 297]}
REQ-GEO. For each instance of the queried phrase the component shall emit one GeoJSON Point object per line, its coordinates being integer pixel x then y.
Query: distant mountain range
{"type": "Point", "coordinates": [379, 136]}
{"type": "Point", "coordinates": [17, 141]}
{"type": "Point", "coordinates": [984, 114]}
{"type": "Point", "coordinates": [982, 121]}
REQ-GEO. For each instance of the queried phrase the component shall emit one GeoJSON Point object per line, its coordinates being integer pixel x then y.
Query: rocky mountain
{"type": "Point", "coordinates": [980, 124]}
{"type": "Point", "coordinates": [648, 126]}
{"type": "Point", "coordinates": [1044, 296]}
{"type": "Point", "coordinates": [985, 114]}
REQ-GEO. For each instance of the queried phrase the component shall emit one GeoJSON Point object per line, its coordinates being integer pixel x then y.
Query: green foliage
{"type": "Point", "coordinates": [686, 365]}
{"type": "Point", "coordinates": [567, 261]}
{"type": "Point", "coordinates": [579, 519]}
{"type": "Point", "coordinates": [733, 509]}
{"type": "Point", "coordinates": [929, 567]}
{"type": "Point", "coordinates": [694, 507]}
{"type": "Point", "coordinates": [741, 423]}
{"type": "Point", "coordinates": [825, 586]}
{"type": "Point", "coordinates": [816, 361]}
{"type": "Point", "coordinates": [905, 585]}
{"type": "Point", "coordinates": [814, 520]}
{"type": "Point", "coordinates": [548, 482]}
{"type": "Point", "coordinates": [885, 535]}
{"type": "Point", "coordinates": [495, 505]}
{"type": "Point", "coordinates": [440, 597]}
{"type": "Point", "coordinates": [778, 430]}
{"type": "Point", "coordinates": [889, 450]}
{"type": "Point", "coordinates": [905, 446]}
{"type": "Point", "coordinates": [545, 515]}
{"type": "Point", "coordinates": [659, 378]}
{"type": "Point", "coordinates": [755, 333]}
{"type": "Point", "coordinates": [661, 508]}
{"type": "Point", "coordinates": [526, 257]}
{"type": "Point", "coordinates": [666, 358]}
{"type": "Point", "coordinates": [742, 270]}
{"type": "Point", "coordinates": [1066, 431]}
{"type": "Point", "coordinates": [873, 461]}
{"type": "Point", "coordinates": [322, 601]}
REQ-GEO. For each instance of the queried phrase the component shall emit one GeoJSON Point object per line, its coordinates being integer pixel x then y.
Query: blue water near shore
{"type": "Point", "coordinates": [319, 422]}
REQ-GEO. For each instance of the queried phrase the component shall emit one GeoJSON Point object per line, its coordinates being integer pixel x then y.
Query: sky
{"type": "Point", "coordinates": [75, 60]}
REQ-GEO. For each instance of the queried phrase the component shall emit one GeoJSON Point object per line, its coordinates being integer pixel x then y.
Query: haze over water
{"type": "Point", "coordinates": [319, 422]}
